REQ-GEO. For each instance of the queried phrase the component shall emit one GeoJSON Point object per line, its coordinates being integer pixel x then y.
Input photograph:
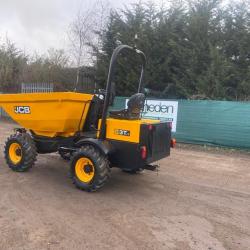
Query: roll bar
{"type": "Point", "coordinates": [113, 61]}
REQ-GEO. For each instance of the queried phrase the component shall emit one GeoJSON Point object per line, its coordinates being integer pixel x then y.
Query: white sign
{"type": "Point", "coordinates": [162, 110]}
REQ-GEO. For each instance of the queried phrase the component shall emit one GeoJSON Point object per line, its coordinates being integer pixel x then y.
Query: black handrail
{"type": "Point", "coordinates": [110, 79]}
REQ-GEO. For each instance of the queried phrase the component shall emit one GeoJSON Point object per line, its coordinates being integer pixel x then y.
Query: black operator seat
{"type": "Point", "coordinates": [135, 106]}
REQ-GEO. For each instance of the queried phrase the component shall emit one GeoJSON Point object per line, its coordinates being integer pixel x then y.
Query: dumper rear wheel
{"type": "Point", "coordinates": [89, 168]}
{"type": "Point", "coordinates": [20, 152]}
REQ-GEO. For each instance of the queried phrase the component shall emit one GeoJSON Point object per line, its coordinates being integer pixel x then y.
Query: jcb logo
{"type": "Point", "coordinates": [122, 132]}
{"type": "Point", "coordinates": [22, 109]}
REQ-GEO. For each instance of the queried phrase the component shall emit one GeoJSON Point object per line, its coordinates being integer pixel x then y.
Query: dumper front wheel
{"type": "Point", "coordinates": [89, 168]}
{"type": "Point", "coordinates": [20, 152]}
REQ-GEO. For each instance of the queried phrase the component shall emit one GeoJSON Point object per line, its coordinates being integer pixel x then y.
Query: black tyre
{"type": "Point", "coordinates": [89, 168]}
{"type": "Point", "coordinates": [65, 155]}
{"type": "Point", "coordinates": [20, 152]}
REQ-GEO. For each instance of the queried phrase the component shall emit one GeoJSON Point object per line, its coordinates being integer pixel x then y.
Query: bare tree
{"type": "Point", "coordinates": [57, 57]}
{"type": "Point", "coordinates": [83, 33]}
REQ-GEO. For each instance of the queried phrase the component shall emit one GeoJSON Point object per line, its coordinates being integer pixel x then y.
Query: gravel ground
{"type": "Point", "coordinates": [198, 200]}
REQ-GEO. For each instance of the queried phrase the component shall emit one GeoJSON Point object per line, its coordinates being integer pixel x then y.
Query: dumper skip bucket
{"type": "Point", "coordinates": [48, 114]}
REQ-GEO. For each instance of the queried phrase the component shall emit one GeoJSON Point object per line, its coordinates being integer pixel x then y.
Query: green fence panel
{"type": "Point", "coordinates": [219, 123]}
{"type": "Point", "coordinates": [214, 122]}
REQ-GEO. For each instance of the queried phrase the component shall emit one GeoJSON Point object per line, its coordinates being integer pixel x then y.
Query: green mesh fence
{"type": "Point", "coordinates": [219, 123]}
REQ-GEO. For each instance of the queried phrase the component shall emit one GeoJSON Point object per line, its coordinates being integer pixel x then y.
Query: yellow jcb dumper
{"type": "Point", "coordinates": [80, 128]}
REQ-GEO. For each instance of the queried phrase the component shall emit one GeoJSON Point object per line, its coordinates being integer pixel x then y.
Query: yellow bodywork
{"type": "Point", "coordinates": [125, 130]}
{"type": "Point", "coordinates": [63, 114]}
{"type": "Point", "coordinates": [48, 114]}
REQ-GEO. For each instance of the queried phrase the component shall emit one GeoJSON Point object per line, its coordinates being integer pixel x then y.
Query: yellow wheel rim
{"type": "Point", "coordinates": [84, 169]}
{"type": "Point", "coordinates": [15, 153]}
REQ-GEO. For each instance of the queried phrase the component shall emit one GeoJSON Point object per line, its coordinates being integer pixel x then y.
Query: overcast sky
{"type": "Point", "coordinates": [37, 25]}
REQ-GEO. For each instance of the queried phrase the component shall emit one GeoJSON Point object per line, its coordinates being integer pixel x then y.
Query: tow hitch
{"type": "Point", "coordinates": [152, 167]}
